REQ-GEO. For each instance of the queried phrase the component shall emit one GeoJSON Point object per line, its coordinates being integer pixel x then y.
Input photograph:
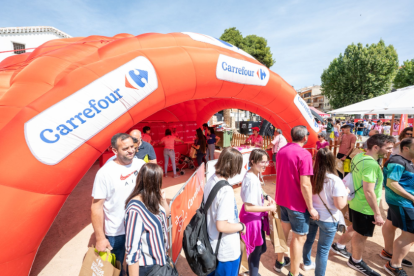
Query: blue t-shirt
{"type": "Point", "coordinates": [212, 139]}
{"type": "Point", "coordinates": [402, 170]}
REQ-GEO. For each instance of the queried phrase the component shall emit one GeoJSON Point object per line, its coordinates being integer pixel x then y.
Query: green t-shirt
{"type": "Point", "coordinates": [369, 171]}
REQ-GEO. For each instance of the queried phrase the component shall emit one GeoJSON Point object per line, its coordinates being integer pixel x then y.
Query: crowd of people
{"type": "Point", "coordinates": [129, 208]}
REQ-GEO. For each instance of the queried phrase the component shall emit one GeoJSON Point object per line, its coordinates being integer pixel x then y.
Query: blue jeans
{"type": "Point", "coordinates": [210, 152]}
{"type": "Point", "coordinates": [327, 232]}
{"type": "Point", "coordinates": [230, 268]}
{"type": "Point", "coordinates": [199, 158]}
{"type": "Point", "coordinates": [169, 154]}
{"type": "Point", "coordinates": [298, 221]}
{"type": "Point", "coordinates": [118, 247]}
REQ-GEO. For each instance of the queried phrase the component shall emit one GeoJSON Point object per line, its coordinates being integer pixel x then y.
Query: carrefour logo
{"type": "Point", "coordinates": [241, 71]}
{"type": "Point", "coordinates": [136, 79]}
{"type": "Point", "coordinates": [62, 128]}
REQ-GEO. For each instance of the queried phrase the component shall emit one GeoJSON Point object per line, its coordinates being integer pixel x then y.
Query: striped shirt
{"type": "Point", "coordinates": [146, 235]}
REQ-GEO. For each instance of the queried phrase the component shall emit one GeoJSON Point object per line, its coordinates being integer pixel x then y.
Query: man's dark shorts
{"type": "Point", "coordinates": [362, 224]}
{"type": "Point", "coordinates": [401, 217]}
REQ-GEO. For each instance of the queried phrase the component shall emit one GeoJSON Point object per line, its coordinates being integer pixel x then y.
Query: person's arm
{"type": "Point", "coordinates": [306, 188]}
{"type": "Point", "coordinates": [133, 269]}
{"type": "Point", "coordinates": [396, 188]}
{"type": "Point", "coordinates": [229, 228]}
{"type": "Point", "coordinates": [369, 191]}
{"type": "Point", "coordinates": [97, 217]}
{"type": "Point", "coordinates": [248, 207]}
{"type": "Point", "coordinates": [340, 202]}
{"type": "Point", "coordinates": [178, 139]}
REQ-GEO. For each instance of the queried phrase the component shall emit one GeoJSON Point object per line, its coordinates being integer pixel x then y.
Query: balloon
{"type": "Point", "coordinates": [61, 104]}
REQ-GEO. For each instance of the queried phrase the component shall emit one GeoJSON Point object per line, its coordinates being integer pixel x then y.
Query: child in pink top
{"type": "Point", "coordinates": [253, 213]}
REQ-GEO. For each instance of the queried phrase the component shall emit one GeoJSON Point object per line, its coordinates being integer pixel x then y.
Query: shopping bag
{"type": "Point", "coordinates": [339, 165]}
{"type": "Point", "coordinates": [277, 237]}
{"type": "Point", "coordinates": [94, 265]}
{"type": "Point", "coordinates": [332, 135]}
{"type": "Point", "coordinates": [244, 265]}
{"type": "Point", "coordinates": [347, 165]}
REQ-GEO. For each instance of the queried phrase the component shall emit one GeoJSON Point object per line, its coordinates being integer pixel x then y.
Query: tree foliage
{"type": "Point", "coordinates": [405, 75]}
{"type": "Point", "coordinates": [359, 74]}
{"type": "Point", "coordinates": [254, 45]}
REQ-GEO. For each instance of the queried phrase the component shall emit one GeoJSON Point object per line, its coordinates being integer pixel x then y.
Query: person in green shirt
{"type": "Point", "coordinates": [364, 212]}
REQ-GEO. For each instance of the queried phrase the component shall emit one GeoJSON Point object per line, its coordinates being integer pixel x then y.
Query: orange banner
{"type": "Point", "coordinates": [184, 208]}
{"type": "Point", "coordinates": [403, 122]}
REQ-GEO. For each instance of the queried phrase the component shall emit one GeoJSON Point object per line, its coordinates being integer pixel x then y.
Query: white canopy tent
{"type": "Point", "coordinates": [398, 102]}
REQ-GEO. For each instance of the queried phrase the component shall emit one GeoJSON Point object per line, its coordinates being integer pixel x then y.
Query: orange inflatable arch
{"type": "Point", "coordinates": [60, 105]}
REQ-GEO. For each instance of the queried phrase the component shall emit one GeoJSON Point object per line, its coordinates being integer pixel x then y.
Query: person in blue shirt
{"type": "Point", "coordinates": [212, 141]}
{"type": "Point", "coordinates": [399, 195]}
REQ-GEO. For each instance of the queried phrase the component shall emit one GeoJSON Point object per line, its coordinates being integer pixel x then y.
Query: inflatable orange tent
{"type": "Point", "coordinates": [60, 105]}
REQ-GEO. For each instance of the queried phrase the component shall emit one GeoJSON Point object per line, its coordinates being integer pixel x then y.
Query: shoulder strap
{"type": "Point", "coordinates": [214, 192]}
{"type": "Point", "coordinates": [327, 208]}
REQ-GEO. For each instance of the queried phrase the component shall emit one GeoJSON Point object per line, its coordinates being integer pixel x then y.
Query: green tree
{"type": "Point", "coordinates": [233, 36]}
{"type": "Point", "coordinates": [359, 74]}
{"type": "Point", "coordinates": [405, 75]}
{"type": "Point", "coordinates": [254, 45]}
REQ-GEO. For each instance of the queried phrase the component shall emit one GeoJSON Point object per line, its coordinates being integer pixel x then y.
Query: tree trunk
{"type": "Point", "coordinates": [227, 118]}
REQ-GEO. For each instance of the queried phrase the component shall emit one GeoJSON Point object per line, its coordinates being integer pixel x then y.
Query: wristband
{"type": "Point", "coordinates": [242, 226]}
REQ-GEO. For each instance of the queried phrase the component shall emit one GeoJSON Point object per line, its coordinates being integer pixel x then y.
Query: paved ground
{"type": "Point", "coordinates": [66, 243]}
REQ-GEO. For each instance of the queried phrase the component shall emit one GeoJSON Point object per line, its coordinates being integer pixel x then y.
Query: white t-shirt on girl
{"type": "Point", "coordinates": [387, 130]}
{"type": "Point", "coordinates": [333, 187]}
{"type": "Point", "coordinates": [223, 208]}
{"type": "Point", "coordinates": [251, 190]}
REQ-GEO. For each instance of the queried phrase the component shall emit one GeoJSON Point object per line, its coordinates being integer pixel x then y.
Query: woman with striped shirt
{"type": "Point", "coordinates": [146, 211]}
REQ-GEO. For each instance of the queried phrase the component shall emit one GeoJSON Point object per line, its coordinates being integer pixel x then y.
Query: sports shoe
{"type": "Point", "coordinates": [362, 267]}
{"type": "Point", "coordinates": [396, 271]}
{"type": "Point", "coordinates": [312, 266]}
{"type": "Point", "coordinates": [290, 274]}
{"type": "Point", "coordinates": [175, 176]}
{"type": "Point", "coordinates": [278, 266]}
{"type": "Point", "coordinates": [341, 252]}
{"type": "Point", "coordinates": [387, 256]}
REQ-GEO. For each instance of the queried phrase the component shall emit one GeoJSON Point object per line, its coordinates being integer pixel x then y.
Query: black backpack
{"type": "Point", "coordinates": [195, 231]}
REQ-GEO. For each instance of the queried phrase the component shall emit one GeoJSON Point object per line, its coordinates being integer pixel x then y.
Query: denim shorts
{"type": "Point", "coordinates": [298, 221]}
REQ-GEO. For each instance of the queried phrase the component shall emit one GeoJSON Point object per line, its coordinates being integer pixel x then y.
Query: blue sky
{"type": "Point", "coordinates": [304, 36]}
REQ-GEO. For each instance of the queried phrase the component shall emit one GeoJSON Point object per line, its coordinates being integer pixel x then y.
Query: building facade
{"type": "Point", "coordinates": [312, 95]}
{"type": "Point", "coordinates": [17, 39]}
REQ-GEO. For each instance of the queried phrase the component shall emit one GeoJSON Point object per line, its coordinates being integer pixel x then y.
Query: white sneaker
{"type": "Point", "coordinates": [312, 266]}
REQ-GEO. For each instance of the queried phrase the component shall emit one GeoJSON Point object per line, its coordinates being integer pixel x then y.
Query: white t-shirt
{"type": "Point", "coordinates": [251, 190]}
{"type": "Point", "coordinates": [115, 183]}
{"type": "Point", "coordinates": [333, 187]}
{"type": "Point", "coordinates": [387, 130]}
{"type": "Point", "coordinates": [223, 208]}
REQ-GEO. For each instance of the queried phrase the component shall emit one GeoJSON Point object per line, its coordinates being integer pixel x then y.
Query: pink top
{"type": "Point", "coordinates": [146, 137]}
{"type": "Point", "coordinates": [278, 143]}
{"type": "Point", "coordinates": [255, 140]}
{"type": "Point", "coordinates": [292, 162]}
{"type": "Point", "coordinates": [320, 145]}
{"type": "Point", "coordinates": [378, 127]}
{"type": "Point", "coordinates": [168, 141]}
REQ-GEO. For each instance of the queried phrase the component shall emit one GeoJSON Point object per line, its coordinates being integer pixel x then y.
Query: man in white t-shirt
{"type": "Point", "coordinates": [113, 184]}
